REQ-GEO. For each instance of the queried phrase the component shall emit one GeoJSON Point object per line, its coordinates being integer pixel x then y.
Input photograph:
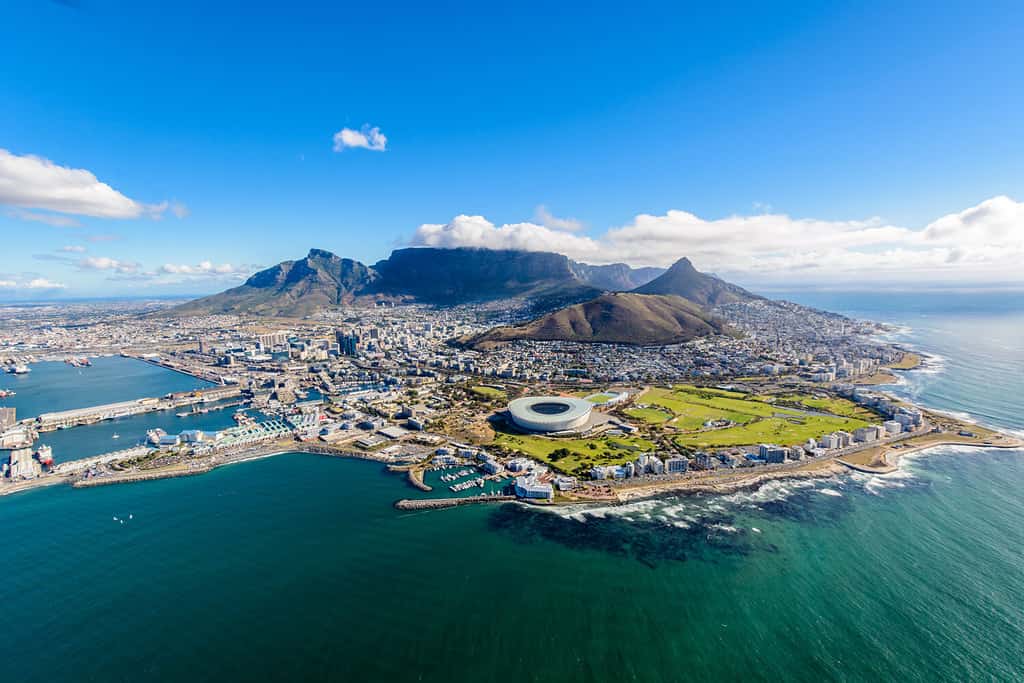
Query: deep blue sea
{"type": "Point", "coordinates": [297, 567]}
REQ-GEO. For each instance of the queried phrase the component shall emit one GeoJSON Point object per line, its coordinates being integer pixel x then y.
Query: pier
{"type": "Point", "coordinates": [76, 466]}
{"type": "Point", "coordinates": [441, 503]}
{"type": "Point", "coordinates": [47, 422]}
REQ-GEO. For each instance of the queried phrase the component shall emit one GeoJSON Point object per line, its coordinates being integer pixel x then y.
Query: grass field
{"type": "Point", "coordinates": [651, 416]}
{"type": "Point", "coordinates": [909, 362]}
{"type": "Point", "coordinates": [691, 406]}
{"type": "Point", "coordinates": [582, 453]}
{"type": "Point", "coordinates": [758, 418]}
{"type": "Point", "coordinates": [489, 393]}
{"type": "Point", "coordinates": [783, 431]}
{"type": "Point", "coordinates": [836, 406]}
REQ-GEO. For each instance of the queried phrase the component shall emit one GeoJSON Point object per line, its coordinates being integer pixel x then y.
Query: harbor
{"type": "Point", "coordinates": [54, 386]}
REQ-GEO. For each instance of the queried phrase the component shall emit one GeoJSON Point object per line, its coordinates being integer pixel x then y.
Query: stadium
{"type": "Point", "coordinates": [548, 414]}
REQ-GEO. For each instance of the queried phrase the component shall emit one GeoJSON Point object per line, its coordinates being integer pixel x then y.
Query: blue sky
{"type": "Point", "coordinates": [818, 143]}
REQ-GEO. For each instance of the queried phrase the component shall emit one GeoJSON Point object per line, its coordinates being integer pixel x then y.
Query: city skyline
{"type": "Point", "coordinates": [605, 136]}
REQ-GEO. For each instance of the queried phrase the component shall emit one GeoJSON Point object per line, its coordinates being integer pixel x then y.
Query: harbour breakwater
{"type": "Point", "coordinates": [139, 476]}
{"type": "Point", "coordinates": [84, 416]}
{"type": "Point", "coordinates": [441, 503]}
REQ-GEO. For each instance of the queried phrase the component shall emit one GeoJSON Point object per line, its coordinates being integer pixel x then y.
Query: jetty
{"type": "Point", "coordinates": [65, 419]}
{"type": "Point", "coordinates": [440, 503]}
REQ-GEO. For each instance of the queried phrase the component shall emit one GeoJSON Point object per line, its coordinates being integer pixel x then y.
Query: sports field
{"type": "Point", "coordinates": [756, 418]}
{"type": "Point", "coordinates": [574, 456]}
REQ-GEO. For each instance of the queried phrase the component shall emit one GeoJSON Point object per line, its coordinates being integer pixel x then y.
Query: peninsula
{"type": "Point", "coordinates": [501, 376]}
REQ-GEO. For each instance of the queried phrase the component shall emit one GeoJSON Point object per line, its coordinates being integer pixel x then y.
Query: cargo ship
{"type": "Point", "coordinates": [44, 455]}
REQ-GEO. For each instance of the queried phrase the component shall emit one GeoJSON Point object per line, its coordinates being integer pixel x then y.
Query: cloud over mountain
{"type": "Point", "coordinates": [982, 243]}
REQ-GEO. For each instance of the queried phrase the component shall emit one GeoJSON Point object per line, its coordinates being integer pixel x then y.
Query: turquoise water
{"type": "Point", "coordinates": [297, 567]}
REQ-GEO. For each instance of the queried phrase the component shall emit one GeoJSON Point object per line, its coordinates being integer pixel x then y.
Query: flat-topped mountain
{"type": "Point", "coordinates": [623, 318]}
{"type": "Point", "coordinates": [682, 279]}
{"type": "Point", "coordinates": [427, 275]}
{"type": "Point", "coordinates": [461, 275]}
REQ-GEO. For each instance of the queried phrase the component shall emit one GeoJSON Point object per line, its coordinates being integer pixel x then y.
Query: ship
{"type": "Point", "coordinates": [6, 393]}
{"type": "Point", "coordinates": [153, 435]}
{"type": "Point", "coordinates": [45, 456]}
{"type": "Point", "coordinates": [19, 369]}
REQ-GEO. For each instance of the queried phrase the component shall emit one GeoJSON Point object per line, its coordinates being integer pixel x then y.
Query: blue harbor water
{"type": "Point", "coordinates": [297, 567]}
{"type": "Point", "coordinates": [52, 386]}
{"type": "Point", "coordinates": [124, 432]}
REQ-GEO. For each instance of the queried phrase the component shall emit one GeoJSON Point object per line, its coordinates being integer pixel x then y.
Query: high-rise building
{"type": "Point", "coordinates": [348, 342]}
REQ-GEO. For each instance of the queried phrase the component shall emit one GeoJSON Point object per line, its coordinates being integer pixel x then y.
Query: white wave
{"type": "Point", "coordinates": [831, 492]}
{"type": "Point", "coordinates": [728, 528]}
{"type": "Point", "coordinates": [876, 483]}
{"type": "Point", "coordinates": [755, 529]}
{"type": "Point", "coordinates": [771, 491]}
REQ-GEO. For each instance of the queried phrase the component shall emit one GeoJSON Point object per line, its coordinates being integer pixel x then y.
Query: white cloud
{"type": "Point", "coordinates": [203, 268]}
{"type": "Point", "coordinates": [179, 210]}
{"type": "Point", "coordinates": [477, 231]}
{"type": "Point", "coordinates": [73, 249]}
{"type": "Point", "coordinates": [8, 284]}
{"type": "Point", "coordinates": [33, 182]}
{"type": "Point", "coordinates": [106, 263]}
{"type": "Point", "coordinates": [982, 243]}
{"type": "Point", "coordinates": [367, 138]}
{"type": "Point", "coordinates": [48, 219]}
{"type": "Point", "coordinates": [43, 283]}
{"type": "Point", "coordinates": [545, 218]}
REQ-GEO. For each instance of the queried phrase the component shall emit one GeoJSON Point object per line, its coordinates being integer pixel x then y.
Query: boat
{"type": "Point", "coordinates": [6, 393]}
{"type": "Point", "coordinates": [20, 369]}
{"type": "Point", "coordinates": [116, 436]}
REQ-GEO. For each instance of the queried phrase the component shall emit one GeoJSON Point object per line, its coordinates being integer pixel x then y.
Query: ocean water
{"type": "Point", "coordinates": [297, 567]}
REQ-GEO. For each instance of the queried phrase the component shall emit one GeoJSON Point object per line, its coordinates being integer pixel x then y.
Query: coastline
{"type": "Point", "coordinates": [730, 482]}
{"type": "Point", "coordinates": [880, 460]}
{"type": "Point", "coordinates": [186, 470]}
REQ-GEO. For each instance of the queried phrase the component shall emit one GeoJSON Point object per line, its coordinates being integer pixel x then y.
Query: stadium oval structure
{"type": "Point", "coordinates": [550, 413]}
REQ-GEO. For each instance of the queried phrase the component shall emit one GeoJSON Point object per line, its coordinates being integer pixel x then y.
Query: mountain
{"type": "Point", "coordinates": [623, 318]}
{"type": "Point", "coordinates": [291, 288]}
{"type": "Point", "coordinates": [615, 277]}
{"type": "Point", "coordinates": [543, 280]}
{"type": "Point", "coordinates": [682, 279]}
{"type": "Point", "coordinates": [465, 274]}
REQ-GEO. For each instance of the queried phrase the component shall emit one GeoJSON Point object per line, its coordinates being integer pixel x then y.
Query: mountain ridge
{"type": "Point", "coordinates": [433, 276]}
